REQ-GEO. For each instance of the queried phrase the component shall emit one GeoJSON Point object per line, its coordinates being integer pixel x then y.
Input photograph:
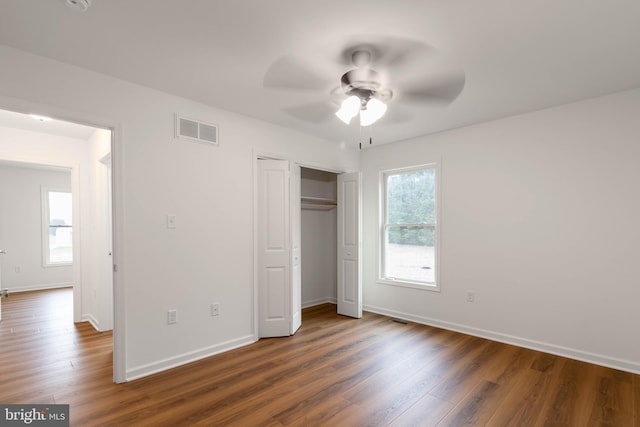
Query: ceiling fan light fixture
{"type": "Point", "coordinates": [374, 110]}
{"type": "Point", "coordinates": [349, 109]}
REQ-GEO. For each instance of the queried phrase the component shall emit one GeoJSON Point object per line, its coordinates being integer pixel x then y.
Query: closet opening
{"type": "Point", "coordinates": [318, 190]}
{"type": "Point", "coordinates": [307, 246]}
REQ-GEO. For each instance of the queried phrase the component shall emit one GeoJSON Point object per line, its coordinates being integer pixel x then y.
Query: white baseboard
{"type": "Point", "coordinates": [598, 359]}
{"type": "Point", "coordinates": [318, 301]}
{"type": "Point", "coordinates": [183, 359]}
{"type": "Point", "coordinates": [94, 322]}
{"type": "Point", "coordinates": [30, 288]}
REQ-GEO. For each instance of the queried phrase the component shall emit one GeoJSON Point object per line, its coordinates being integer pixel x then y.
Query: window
{"type": "Point", "coordinates": [57, 228]}
{"type": "Point", "coordinates": [409, 230]}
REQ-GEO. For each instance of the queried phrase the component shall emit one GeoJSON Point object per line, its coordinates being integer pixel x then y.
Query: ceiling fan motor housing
{"type": "Point", "coordinates": [363, 83]}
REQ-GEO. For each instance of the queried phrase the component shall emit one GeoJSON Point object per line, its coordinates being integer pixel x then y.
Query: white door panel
{"type": "Point", "coordinates": [296, 252]}
{"type": "Point", "coordinates": [349, 274]}
{"type": "Point", "coordinates": [275, 308]}
{"type": "Point", "coordinates": [274, 252]}
{"type": "Point", "coordinates": [279, 253]}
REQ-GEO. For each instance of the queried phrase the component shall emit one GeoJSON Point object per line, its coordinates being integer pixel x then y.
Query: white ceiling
{"type": "Point", "coordinates": [22, 121]}
{"type": "Point", "coordinates": [517, 55]}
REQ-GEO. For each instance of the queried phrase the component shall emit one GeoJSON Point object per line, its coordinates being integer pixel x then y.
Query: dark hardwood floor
{"type": "Point", "coordinates": [335, 371]}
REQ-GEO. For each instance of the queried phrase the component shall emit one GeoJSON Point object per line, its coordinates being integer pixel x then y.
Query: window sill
{"type": "Point", "coordinates": [411, 285]}
{"type": "Point", "coordinates": [60, 264]}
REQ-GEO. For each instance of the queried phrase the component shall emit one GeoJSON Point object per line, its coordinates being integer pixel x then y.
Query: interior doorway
{"type": "Point", "coordinates": [85, 152]}
{"type": "Point", "coordinates": [319, 193]}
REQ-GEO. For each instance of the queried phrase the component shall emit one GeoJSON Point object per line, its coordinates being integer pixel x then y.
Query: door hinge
{"type": "Point", "coordinates": [115, 268]}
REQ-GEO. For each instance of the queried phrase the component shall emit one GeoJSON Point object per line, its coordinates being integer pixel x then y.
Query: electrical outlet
{"type": "Point", "coordinates": [215, 309]}
{"type": "Point", "coordinates": [172, 317]}
{"type": "Point", "coordinates": [171, 221]}
{"type": "Point", "coordinates": [471, 296]}
{"type": "Point", "coordinates": [18, 269]}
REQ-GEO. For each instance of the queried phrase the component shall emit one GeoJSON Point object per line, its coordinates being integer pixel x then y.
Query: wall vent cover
{"type": "Point", "coordinates": [196, 130]}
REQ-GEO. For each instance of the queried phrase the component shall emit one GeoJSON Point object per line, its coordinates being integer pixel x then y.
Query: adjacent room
{"type": "Point", "coordinates": [280, 210]}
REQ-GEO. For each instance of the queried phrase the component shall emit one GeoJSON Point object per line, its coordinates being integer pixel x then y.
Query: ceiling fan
{"type": "Point", "coordinates": [364, 90]}
{"type": "Point", "coordinates": [363, 77]}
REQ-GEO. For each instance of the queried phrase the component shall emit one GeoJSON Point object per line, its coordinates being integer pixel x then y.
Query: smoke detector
{"type": "Point", "coordinates": [79, 5]}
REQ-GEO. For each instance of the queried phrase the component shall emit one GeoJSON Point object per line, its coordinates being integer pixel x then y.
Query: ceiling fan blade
{"type": "Point", "coordinates": [316, 112]}
{"type": "Point", "coordinates": [292, 74]}
{"type": "Point", "coordinates": [441, 90]}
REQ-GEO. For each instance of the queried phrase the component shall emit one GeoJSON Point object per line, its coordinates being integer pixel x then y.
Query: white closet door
{"type": "Point", "coordinates": [349, 270]}
{"type": "Point", "coordinates": [296, 252]}
{"type": "Point", "coordinates": [274, 249]}
{"type": "Point", "coordinates": [279, 251]}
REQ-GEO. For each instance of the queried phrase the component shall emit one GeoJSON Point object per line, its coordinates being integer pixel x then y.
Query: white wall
{"type": "Point", "coordinates": [21, 228]}
{"type": "Point", "coordinates": [319, 270]}
{"type": "Point", "coordinates": [208, 257]}
{"type": "Point", "coordinates": [539, 217]}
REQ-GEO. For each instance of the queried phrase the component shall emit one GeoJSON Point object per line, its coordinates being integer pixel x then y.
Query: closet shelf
{"type": "Point", "coordinates": [318, 203]}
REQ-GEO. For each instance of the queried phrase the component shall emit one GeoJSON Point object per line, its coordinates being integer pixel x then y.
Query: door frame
{"type": "Point", "coordinates": [117, 232]}
{"type": "Point", "coordinates": [256, 155]}
{"type": "Point", "coordinates": [107, 193]}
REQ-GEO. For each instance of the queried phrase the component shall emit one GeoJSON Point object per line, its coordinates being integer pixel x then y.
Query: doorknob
{"type": "Point", "coordinates": [2, 251]}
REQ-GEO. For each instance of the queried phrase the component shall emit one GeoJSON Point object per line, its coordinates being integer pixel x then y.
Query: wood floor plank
{"type": "Point", "coordinates": [469, 371]}
{"type": "Point", "coordinates": [335, 371]}
{"type": "Point", "coordinates": [426, 412]}
{"type": "Point", "coordinates": [521, 404]}
{"type": "Point", "coordinates": [635, 381]}
{"type": "Point", "coordinates": [613, 403]}
{"type": "Point", "coordinates": [573, 395]}
{"type": "Point", "coordinates": [475, 409]}
{"type": "Point", "coordinates": [514, 362]}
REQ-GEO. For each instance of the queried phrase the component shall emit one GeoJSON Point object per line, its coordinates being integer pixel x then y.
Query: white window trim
{"type": "Point", "coordinates": [434, 287]}
{"type": "Point", "coordinates": [44, 202]}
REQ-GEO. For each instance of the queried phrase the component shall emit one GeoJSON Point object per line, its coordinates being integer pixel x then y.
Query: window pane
{"type": "Point", "coordinates": [411, 197]}
{"type": "Point", "coordinates": [410, 254]}
{"type": "Point", "coordinates": [60, 232]}
{"type": "Point", "coordinates": [59, 208]}
{"type": "Point", "coordinates": [60, 245]}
